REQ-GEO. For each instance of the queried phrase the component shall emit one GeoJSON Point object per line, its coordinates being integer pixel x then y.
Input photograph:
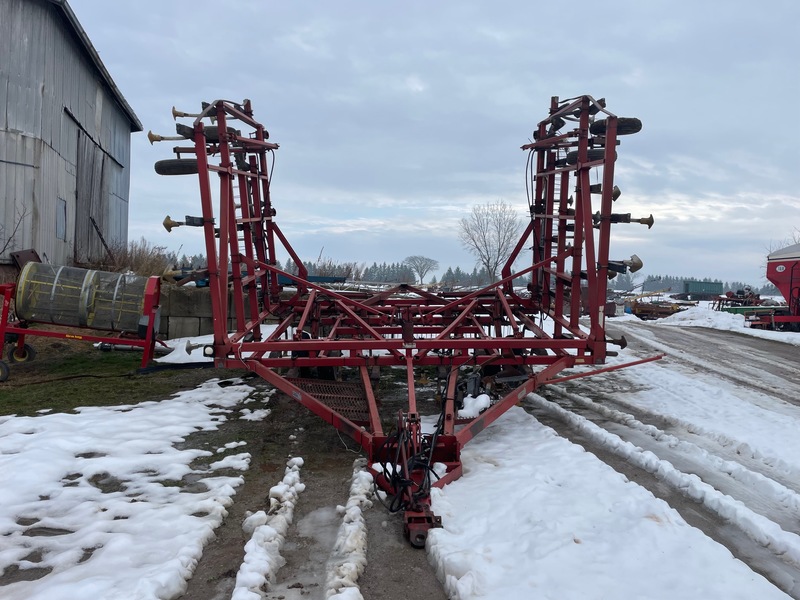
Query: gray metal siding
{"type": "Point", "coordinates": [50, 92]}
{"type": "Point", "coordinates": [18, 175]}
{"type": "Point", "coordinates": [118, 184]}
{"type": "Point", "coordinates": [58, 251]}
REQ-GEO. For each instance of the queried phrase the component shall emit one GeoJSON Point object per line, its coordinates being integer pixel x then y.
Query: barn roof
{"type": "Point", "coordinates": [75, 25]}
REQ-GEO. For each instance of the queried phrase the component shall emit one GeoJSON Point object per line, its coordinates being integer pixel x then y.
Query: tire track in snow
{"type": "Point", "coordinates": [711, 351]}
{"type": "Point", "coordinates": [762, 494]}
{"type": "Point", "coordinates": [736, 496]}
{"type": "Point", "coordinates": [271, 531]}
{"type": "Point", "coordinates": [607, 394]}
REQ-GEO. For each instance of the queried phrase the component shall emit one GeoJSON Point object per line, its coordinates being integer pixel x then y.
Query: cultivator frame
{"type": "Point", "coordinates": [488, 340]}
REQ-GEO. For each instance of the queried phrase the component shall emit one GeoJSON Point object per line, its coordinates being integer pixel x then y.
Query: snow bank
{"type": "Point", "coordinates": [268, 531]}
{"type": "Point", "coordinates": [699, 316]}
{"type": "Point", "coordinates": [349, 557]}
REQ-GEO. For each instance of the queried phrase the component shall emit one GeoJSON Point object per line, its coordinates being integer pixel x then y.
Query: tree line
{"type": "Point", "coordinates": [408, 271]}
{"type": "Point", "coordinates": [675, 284]}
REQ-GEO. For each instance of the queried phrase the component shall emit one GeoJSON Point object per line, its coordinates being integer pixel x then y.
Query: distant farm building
{"type": "Point", "coordinates": [704, 288]}
{"type": "Point", "coordinates": [65, 133]}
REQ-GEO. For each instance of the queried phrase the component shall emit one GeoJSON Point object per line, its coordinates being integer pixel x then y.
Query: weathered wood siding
{"type": "Point", "coordinates": [64, 139]}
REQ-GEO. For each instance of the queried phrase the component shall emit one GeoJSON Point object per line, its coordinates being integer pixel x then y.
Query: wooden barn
{"type": "Point", "coordinates": [65, 133]}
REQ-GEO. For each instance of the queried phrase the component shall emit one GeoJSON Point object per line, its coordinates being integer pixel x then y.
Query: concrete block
{"type": "Point", "coordinates": [163, 326]}
{"type": "Point", "coordinates": [246, 304]}
{"type": "Point", "coordinates": [190, 302]}
{"type": "Point", "coordinates": [163, 301]}
{"type": "Point", "coordinates": [206, 325]}
{"type": "Point", "coordinates": [183, 327]}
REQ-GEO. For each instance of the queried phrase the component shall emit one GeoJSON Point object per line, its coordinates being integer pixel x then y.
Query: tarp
{"type": "Point", "coordinates": [788, 253]}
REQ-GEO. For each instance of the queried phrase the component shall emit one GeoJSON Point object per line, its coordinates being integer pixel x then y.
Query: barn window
{"type": "Point", "coordinates": [61, 219]}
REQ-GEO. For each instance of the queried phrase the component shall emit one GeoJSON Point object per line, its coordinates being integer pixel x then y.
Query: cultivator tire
{"type": "Point", "coordinates": [211, 132]}
{"type": "Point", "coordinates": [3, 371]}
{"type": "Point", "coordinates": [21, 355]}
{"type": "Point", "coordinates": [591, 156]}
{"type": "Point", "coordinates": [184, 130]}
{"type": "Point", "coordinates": [176, 166]}
{"type": "Point", "coordinates": [625, 126]}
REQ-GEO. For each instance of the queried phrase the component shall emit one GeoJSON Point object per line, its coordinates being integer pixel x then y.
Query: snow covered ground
{"type": "Point", "coordinates": [94, 497]}
{"type": "Point", "coordinates": [91, 499]}
{"type": "Point", "coordinates": [555, 522]}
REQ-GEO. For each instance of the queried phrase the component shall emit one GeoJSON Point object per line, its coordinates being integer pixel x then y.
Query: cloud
{"type": "Point", "coordinates": [394, 119]}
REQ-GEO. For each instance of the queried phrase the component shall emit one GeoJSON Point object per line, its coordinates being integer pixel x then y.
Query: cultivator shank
{"type": "Point", "coordinates": [325, 347]}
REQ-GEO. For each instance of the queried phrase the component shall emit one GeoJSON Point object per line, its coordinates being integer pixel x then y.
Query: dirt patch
{"type": "Point", "coordinates": [394, 568]}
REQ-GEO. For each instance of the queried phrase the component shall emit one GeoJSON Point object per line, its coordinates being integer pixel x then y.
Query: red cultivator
{"type": "Point", "coordinates": [487, 339]}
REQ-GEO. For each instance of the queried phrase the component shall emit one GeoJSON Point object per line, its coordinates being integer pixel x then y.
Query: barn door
{"type": "Point", "coordinates": [89, 200]}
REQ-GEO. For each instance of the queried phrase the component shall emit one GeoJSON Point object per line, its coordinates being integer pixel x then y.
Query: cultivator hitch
{"type": "Point", "coordinates": [406, 465]}
{"type": "Point", "coordinates": [418, 522]}
{"type": "Point", "coordinates": [326, 348]}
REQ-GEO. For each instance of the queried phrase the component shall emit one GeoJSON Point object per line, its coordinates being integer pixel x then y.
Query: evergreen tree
{"type": "Point", "coordinates": [449, 278]}
{"type": "Point", "coordinates": [291, 267]}
{"type": "Point", "coordinates": [460, 277]}
{"type": "Point", "coordinates": [769, 290]}
{"type": "Point", "coordinates": [622, 282]}
{"type": "Point", "coordinates": [474, 277]}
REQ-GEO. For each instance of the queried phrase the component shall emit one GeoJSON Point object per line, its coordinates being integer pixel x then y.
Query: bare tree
{"type": "Point", "coordinates": [421, 265]}
{"type": "Point", "coordinates": [327, 267]}
{"type": "Point", "coordinates": [793, 238]}
{"type": "Point", "coordinates": [490, 233]}
{"type": "Point", "coordinates": [7, 237]}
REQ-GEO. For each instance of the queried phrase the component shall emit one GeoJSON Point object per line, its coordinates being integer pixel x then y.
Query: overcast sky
{"type": "Point", "coordinates": [395, 118]}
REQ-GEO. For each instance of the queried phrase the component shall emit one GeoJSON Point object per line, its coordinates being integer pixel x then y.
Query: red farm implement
{"type": "Point", "coordinates": [783, 270]}
{"type": "Point", "coordinates": [117, 309]}
{"type": "Point", "coordinates": [514, 340]}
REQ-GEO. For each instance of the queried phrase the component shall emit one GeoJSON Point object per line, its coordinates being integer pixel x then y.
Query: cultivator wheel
{"type": "Point", "coordinates": [177, 166]}
{"type": "Point", "coordinates": [625, 126]}
{"type": "Point", "coordinates": [489, 340]}
{"type": "Point", "coordinates": [591, 156]}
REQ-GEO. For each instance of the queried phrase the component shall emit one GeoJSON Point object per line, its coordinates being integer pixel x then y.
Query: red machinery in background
{"type": "Point", "coordinates": [783, 270]}
{"type": "Point", "coordinates": [474, 338]}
